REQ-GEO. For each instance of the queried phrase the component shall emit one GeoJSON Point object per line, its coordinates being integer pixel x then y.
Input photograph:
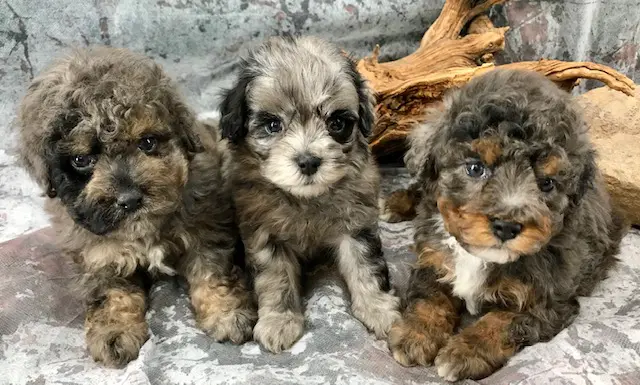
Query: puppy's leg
{"type": "Point", "coordinates": [223, 305]}
{"type": "Point", "coordinates": [429, 318]}
{"type": "Point", "coordinates": [365, 271]}
{"type": "Point", "coordinates": [486, 345]}
{"type": "Point", "coordinates": [115, 325]}
{"type": "Point", "coordinates": [400, 205]}
{"type": "Point", "coordinates": [277, 284]}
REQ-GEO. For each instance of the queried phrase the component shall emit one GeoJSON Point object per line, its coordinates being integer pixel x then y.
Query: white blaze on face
{"type": "Point", "coordinates": [516, 199]}
{"type": "Point", "coordinates": [282, 169]}
{"type": "Point", "coordinates": [302, 84]}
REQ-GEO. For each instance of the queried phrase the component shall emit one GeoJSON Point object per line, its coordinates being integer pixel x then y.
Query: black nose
{"type": "Point", "coordinates": [308, 163]}
{"type": "Point", "coordinates": [505, 230]}
{"type": "Point", "coordinates": [129, 200]}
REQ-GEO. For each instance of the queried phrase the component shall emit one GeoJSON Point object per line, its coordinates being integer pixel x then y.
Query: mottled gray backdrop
{"type": "Point", "coordinates": [199, 42]}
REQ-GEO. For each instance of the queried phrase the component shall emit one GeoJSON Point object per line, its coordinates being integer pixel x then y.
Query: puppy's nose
{"type": "Point", "coordinates": [505, 230]}
{"type": "Point", "coordinates": [129, 200]}
{"type": "Point", "coordinates": [308, 163]}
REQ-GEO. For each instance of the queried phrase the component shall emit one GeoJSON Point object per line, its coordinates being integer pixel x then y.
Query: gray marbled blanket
{"type": "Point", "coordinates": [42, 339]}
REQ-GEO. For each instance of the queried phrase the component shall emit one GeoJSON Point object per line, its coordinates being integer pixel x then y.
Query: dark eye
{"type": "Point", "coordinates": [148, 144]}
{"type": "Point", "coordinates": [273, 126]}
{"type": "Point", "coordinates": [547, 184]}
{"type": "Point", "coordinates": [83, 163]}
{"type": "Point", "coordinates": [339, 125]}
{"type": "Point", "coordinates": [476, 170]}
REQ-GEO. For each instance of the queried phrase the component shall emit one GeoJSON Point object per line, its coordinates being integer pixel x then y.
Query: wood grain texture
{"type": "Point", "coordinates": [458, 46]}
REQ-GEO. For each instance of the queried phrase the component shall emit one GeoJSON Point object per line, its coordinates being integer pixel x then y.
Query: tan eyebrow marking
{"type": "Point", "coordinates": [489, 149]}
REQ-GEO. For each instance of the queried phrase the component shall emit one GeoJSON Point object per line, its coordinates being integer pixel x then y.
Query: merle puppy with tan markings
{"type": "Point", "coordinates": [513, 224]}
{"type": "Point", "coordinates": [136, 189]}
{"type": "Point", "coordinates": [304, 182]}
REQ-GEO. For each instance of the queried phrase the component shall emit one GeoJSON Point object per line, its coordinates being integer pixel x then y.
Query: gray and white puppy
{"type": "Point", "coordinates": [304, 181]}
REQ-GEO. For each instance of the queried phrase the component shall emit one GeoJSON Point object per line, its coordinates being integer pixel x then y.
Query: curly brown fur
{"type": "Point", "coordinates": [136, 189]}
{"type": "Point", "coordinates": [400, 205]}
{"type": "Point", "coordinates": [304, 181]}
{"type": "Point", "coordinates": [514, 220]}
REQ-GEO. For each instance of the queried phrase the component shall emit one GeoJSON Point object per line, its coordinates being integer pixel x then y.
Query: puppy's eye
{"type": "Point", "coordinates": [84, 163]}
{"type": "Point", "coordinates": [273, 126]}
{"type": "Point", "coordinates": [546, 184]}
{"type": "Point", "coordinates": [148, 144]}
{"type": "Point", "coordinates": [340, 125]}
{"type": "Point", "coordinates": [476, 170]}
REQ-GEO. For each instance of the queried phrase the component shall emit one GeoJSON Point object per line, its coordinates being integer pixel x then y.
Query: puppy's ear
{"type": "Point", "coordinates": [38, 164]}
{"type": "Point", "coordinates": [234, 111]}
{"type": "Point", "coordinates": [188, 136]}
{"type": "Point", "coordinates": [53, 178]}
{"type": "Point", "coordinates": [587, 177]}
{"type": "Point", "coordinates": [181, 117]}
{"type": "Point", "coordinates": [366, 112]}
{"type": "Point", "coordinates": [366, 100]}
{"type": "Point", "coordinates": [183, 122]}
{"type": "Point", "coordinates": [51, 166]}
{"type": "Point", "coordinates": [40, 125]}
{"type": "Point", "coordinates": [421, 159]}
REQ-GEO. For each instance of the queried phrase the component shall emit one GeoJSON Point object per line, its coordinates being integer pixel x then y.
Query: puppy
{"type": "Point", "coordinates": [513, 224]}
{"type": "Point", "coordinates": [136, 190]}
{"type": "Point", "coordinates": [304, 182]}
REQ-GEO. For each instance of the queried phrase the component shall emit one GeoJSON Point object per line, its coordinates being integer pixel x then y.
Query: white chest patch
{"type": "Point", "coordinates": [155, 260]}
{"type": "Point", "coordinates": [470, 273]}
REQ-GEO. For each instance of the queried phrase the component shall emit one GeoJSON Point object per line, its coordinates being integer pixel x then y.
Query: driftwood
{"type": "Point", "coordinates": [459, 45]}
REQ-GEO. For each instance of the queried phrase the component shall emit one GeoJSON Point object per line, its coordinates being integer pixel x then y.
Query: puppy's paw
{"type": "Point", "coordinates": [414, 343]}
{"type": "Point", "coordinates": [116, 343]}
{"type": "Point", "coordinates": [378, 313]}
{"type": "Point", "coordinates": [279, 331]}
{"type": "Point", "coordinates": [224, 311]}
{"type": "Point", "coordinates": [460, 359]}
{"type": "Point", "coordinates": [115, 329]}
{"type": "Point", "coordinates": [235, 325]}
{"type": "Point", "coordinates": [399, 206]}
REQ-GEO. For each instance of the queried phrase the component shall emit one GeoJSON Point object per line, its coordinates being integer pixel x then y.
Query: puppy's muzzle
{"type": "Point", "coordinates": [308, 163]}
{"type": "Point", "coordinates": [104, 215]}
{"type": "Point", "coordinates": [129, 200]}
{"type": "Point", "coordinates": [505, 230]}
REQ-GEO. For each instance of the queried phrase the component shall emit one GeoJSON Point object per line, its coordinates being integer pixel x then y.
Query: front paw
{"type": "Point", "coordinates": [378, 313]}
{"type": "Point", "coordinates": [460, 359]}
{"type": "Point", "coordinates": [399, 206]}
{"type": "Point", "coordinates": [414, 343]}
{"type": "Point", "coordinates": [115, 343]}
{"type": "Point", "coordinates": [226, 312]}
{"type": "Point", "coordinates": [279, 331]}
{"type": "Point", "coordinates": [235, 325]}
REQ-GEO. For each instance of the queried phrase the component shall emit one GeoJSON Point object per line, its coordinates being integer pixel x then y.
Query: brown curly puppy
{"type": "Point", "coordinates": [136, 190]}
{"type": "Point", "coordinates": [513, 224]}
